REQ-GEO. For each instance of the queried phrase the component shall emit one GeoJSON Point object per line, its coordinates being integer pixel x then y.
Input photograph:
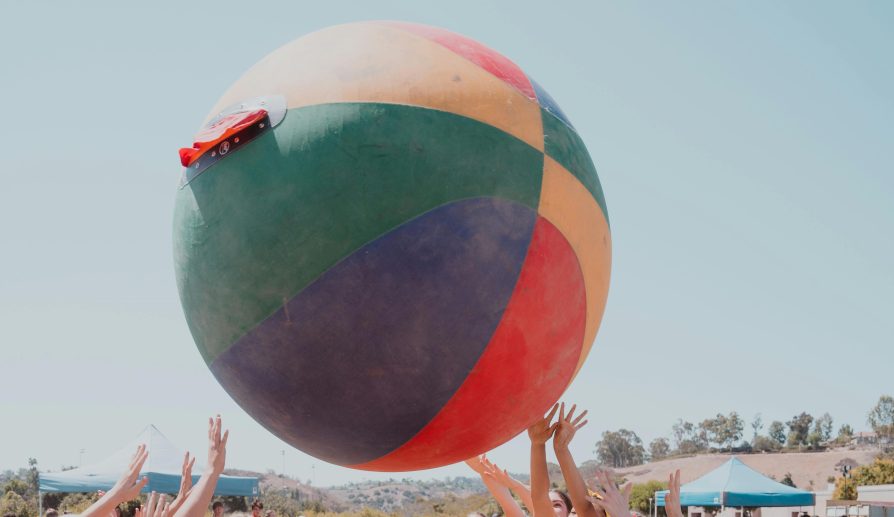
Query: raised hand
{"type": "Point", "coordinates": [128, 486]}
{"type": "Point", "coordinates": [542, 430]}
{"type": "Point", "coordinates": [185, 483]}
{"type": "Point", "coordinates": [567, 426]}
{"type": "Point", "coordinates": [612, 500]}
{"type": "Point", "coordinates": [483, 467]}
{"type": "Point", "coordinates": [672, 499]}
{"type": "Point", "coordinates": [502, 478]}
{"type": "Point", "coordinates": [198, 497]}
{"type": "Point", "coordinates": [477, 464]}
{"type": "Point", "coordinates": [155, 507]}
{"type": "Point", "coordinates": [217, 445]}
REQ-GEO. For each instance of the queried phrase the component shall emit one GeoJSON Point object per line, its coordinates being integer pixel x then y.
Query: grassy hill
{"type": "Point", "coordinates": [809, 470]}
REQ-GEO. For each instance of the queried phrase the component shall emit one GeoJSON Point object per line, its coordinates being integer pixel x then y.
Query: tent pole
{"type": "Point", "coordinates": [39, 503]}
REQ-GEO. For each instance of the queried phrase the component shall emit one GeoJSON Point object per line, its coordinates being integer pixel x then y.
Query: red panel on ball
{"type": "Point", "coordinates": [486, 58]}
{"type": "Point", "coordinates": [533, 351]}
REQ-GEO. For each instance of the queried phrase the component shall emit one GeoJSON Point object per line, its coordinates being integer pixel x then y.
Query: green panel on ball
{"type": "Point", "coordinates": [260, 225]}
{"type": "Point", "coordinates": [564, 145]}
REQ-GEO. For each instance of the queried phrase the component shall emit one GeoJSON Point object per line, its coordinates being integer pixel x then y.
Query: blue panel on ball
{"type": "Point", "coordinates": [364, 357]}
{"type": "Point", "coordinates": [549, 104]}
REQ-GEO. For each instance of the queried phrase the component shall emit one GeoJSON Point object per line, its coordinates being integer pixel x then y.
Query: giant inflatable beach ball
{"type": "Point", "coordinates": [391, 246]}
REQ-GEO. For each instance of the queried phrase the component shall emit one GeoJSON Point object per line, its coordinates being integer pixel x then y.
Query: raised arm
{"type": "Point", "coordinates": [127, 488]}
{"type": "Point", "coordinates": [185, 483]}
{"type": "Point", "coordinates": [498, 491]}
{"type": "Point", "coordinates": [577, 488]}
{"type": "Point", "coordinates": [610, 499]}
{"type": "Point", "coordinates": [520, 489]}
{"type": "Point", "coordinates": [672, 499]}
{"type": "Point", "coordinates": [540, 433]}
{"type": "Point", "coordinates": [197, 501]}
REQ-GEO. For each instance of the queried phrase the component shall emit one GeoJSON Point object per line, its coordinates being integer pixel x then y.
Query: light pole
{"type": "Point", "coordinates": [650, 506]}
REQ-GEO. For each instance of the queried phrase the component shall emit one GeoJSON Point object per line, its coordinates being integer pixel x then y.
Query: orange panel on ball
{"type": "Point", "coordinates": [374, 62]}
{"type": "Point", "coordinates": [566, 203]}
{"type": "Point", "coordinates": [524, 369]}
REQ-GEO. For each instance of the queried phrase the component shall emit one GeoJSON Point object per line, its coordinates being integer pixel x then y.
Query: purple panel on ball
{"type": "Point", "coordinates": [362, 359]}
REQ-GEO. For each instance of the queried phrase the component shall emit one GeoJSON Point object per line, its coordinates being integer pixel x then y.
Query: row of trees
{"type": "Point", "coordinates": [624, 448]}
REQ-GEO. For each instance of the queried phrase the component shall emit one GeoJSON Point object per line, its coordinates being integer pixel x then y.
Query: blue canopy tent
{"type": "Point", "coordinates": [736, 484]}
{"type": "Point", "coordinates": [162, 467]}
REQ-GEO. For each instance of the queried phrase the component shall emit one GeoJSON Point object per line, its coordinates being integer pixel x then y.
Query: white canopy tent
{"type": "Point", "coordinates": [163, 468]}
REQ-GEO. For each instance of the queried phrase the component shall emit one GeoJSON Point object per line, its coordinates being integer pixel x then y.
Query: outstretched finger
{"type": "Point", "coordinates": [163, 506]}
{"type": "Point", "coordinates": [223, 441]}
{"type": "Point", "coordinates": [150, 504]}
{"type": "Point", "coordinates": [136, 457]}
{"type": "Point", "coordinates": [578, 426]}
{"type": "Point", "coordinates": [552, 413]}
{"type": "Point", "coordinates": [137, 466]}
{"type": "Point", "coordinates": [579, 417]}
{"type": "Point", "coordinates": [570, 414]}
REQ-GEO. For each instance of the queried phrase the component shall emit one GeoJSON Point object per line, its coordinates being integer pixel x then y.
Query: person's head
{"type": "Point", "coordinates": [256, 507]}
{"type": "Point", "coordinates": [217, 509]}
{"type": "Point", "coordinates": [561, 503]}
{"type": "Point", "coordinates": [51, 512]}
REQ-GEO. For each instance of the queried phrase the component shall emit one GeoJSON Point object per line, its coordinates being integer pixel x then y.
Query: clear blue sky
{"type": "Point", "coordinates": [746, 151]}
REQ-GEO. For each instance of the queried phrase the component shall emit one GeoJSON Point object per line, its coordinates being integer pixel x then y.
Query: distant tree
{"type": "Point", "coordinates": [640, 494]}
{"type": "Point", "coordinates": [799, 429]}
{"type": "Point", "coordinates": [681, 431]}
{"type": "Point", "coordinates": [881, 418]}
{"type": "Point", "coordinates": [733, 426]}
{"type": "Point", "coordinates": [845, 489]}
{"type": "Point", "coordinates": [757, 424]}
{"type": "Point", "coordinates": [710, 430]}
{"type": "Point", "coordinates": [688, 438]}
{"type": "Point", "coordinates": [16, 485]}
{"type": "Point", "coordinates": [76, 502]}
{"type": "Point", "coordinates": [32, 476]}
{"type": "Point", "coordinates": [621, 448]}
{"type": "Point", "coordinates": [14, 504]}
{"type": "Point", "coordinates": [765, 444]}
{"type": "Point", "coordinates": [823, 427]}
{"type": "Point", "coordinates": [845, 434]}
{"type": "Point", "coordinates": [787, 480]}
{"type": "Point", "coordinates": [814, 439]}
{"type": "Point", "coordinates": [777, 431]}
{"type": "Point", "coordinates": [659, 449]}
{"type": "Point", "coordinates": [879, 472]}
